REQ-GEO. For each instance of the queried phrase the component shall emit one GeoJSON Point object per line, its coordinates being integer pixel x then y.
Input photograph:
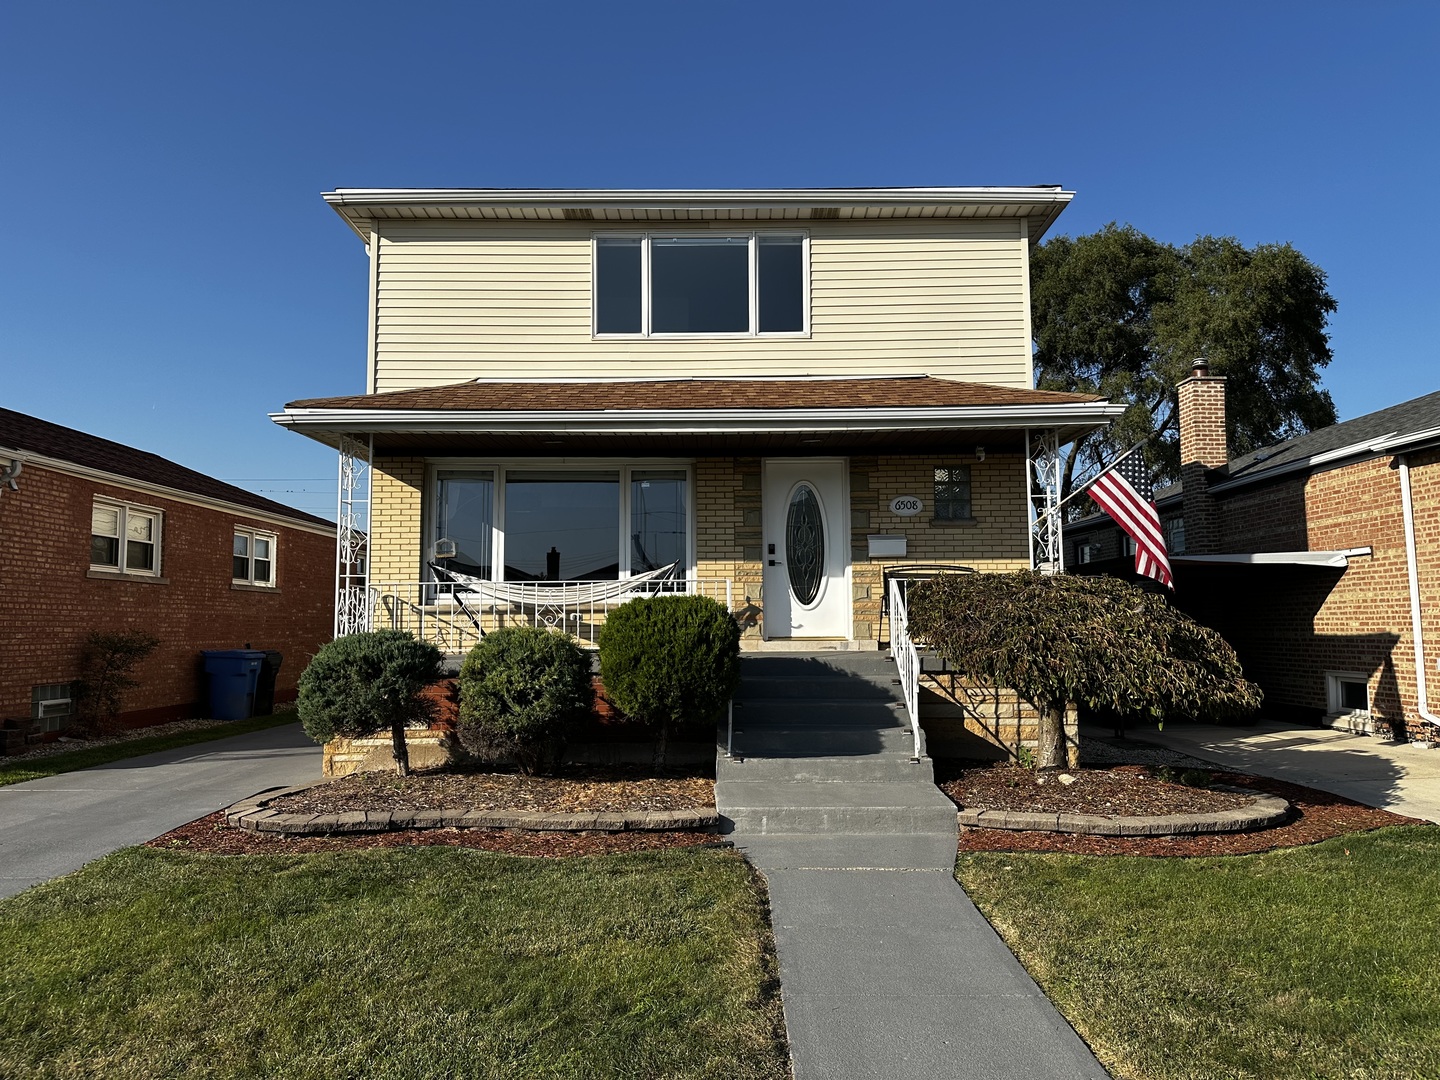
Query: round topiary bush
{"type": "Point", "coordinates": [670, 661]}
{"type": "Point", "coordinates": [363, 683]}
{"type": "Point", "coordinates": [521, 690]}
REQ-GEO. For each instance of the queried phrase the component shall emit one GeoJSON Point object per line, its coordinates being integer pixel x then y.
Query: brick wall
{"type": "Point", "coordinates": [52, 600]}
{"type": "Point", "coordinates": [1292, 625]}
{"type": "Point", "coordinates": [729, 524]}
{"type": "Point", "coordinates": [395, 549]}
{"type": "Point", "coordinates": [1203, 446]}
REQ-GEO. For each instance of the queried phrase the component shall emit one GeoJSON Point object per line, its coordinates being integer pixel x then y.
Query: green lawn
{"type": "Point", "coordinates": [17, 772]}
{"type": "Point", "coordinates": [1313, 962]}
{"type": "Point", "coordinates": [400, 962]}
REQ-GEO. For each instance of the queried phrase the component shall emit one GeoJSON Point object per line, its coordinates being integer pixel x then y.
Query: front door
{"type": "Point", "coordinates": [806, 548]}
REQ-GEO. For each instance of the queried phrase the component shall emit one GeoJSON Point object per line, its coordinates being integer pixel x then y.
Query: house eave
{"type": "Point", "coordinates": [327, 425]}
{"type": "Point", "coordinates": [359, 206]}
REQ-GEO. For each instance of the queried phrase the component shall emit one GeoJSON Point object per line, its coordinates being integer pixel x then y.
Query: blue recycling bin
{"type": "Point", "coordinates": [233, 676]}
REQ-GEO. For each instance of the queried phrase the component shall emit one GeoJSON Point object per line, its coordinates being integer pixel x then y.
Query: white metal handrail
{"type": "Point", "coordinates": [907, 660]}
{"type": "Point", "coordinates": [455, 618]}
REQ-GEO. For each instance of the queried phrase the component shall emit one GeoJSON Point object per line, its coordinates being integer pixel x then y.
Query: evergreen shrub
{"type": "Point", "coordinates": [670, 661]}
{"type": "Point", "coordinates": [521, 690]}
{"type": "Point", "coordinates": [363, 683]}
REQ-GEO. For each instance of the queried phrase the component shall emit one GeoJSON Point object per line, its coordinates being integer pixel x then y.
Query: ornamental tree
{"type": "Point", "coordinates": [363, 683]}
{"type": "Point", "coordinates": [1061, 640]}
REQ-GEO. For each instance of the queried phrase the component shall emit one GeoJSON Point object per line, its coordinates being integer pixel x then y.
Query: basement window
{"type": "Point", "coordinates": [1348, 693]}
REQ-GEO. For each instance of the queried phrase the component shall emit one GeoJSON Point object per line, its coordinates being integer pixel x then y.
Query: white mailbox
{"type": "Point", "coordinates": [886, 547]}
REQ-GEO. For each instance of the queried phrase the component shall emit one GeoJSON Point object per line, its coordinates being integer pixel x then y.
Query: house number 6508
{"type": "Point", "coordinates": [906, 505]}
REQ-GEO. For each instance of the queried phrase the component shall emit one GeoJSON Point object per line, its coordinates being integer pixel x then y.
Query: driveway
{"type": "Point", "coordinates": [1404, 778]}
{"type": "Point", "coordinates": [52, 826]}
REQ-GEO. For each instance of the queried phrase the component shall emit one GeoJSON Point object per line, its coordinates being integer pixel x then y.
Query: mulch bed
{"type": "Point", "coordinates": [577, 789]}
{"type": "Point", "coordinates": [1317, 815]}
{"type": "Point", "coordinates": [1125, 790]}
{"type": "Point", "coordinates": [212, 836]}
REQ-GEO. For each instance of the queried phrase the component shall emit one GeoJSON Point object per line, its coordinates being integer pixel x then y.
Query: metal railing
{"type": "Point", "coordinates": [455, 618]}
{"type": "Point", "coordinates": [907, 660]}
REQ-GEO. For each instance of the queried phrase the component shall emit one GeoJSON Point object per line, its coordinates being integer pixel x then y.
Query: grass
{"type": "Point", "coordinates": [1300, 963]}
{"type": "Point", "coordinates": [401, 962]}
{"type": "Point", "coordinates": [54, 764]}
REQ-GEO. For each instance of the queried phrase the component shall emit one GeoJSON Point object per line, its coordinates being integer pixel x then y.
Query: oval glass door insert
{"type": "Point", "coordinates": [804, 544]}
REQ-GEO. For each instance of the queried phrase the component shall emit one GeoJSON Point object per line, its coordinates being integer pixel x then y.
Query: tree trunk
{"type": "Point", "coordinates": [1051, 752]}
{"type": "Point", "coordinates": [399, 747]}
{"type": "Point", "coordinates": [660, 745]}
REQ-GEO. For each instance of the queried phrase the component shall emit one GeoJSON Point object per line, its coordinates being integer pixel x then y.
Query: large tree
{"type": "Point", "coordinates": [1120, 314]}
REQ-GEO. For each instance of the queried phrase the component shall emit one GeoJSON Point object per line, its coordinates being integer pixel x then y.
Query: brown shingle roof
{"type": "Point", "coordinates": [916, 392]}
{"type": "Point", "coordinates": [32, 435]}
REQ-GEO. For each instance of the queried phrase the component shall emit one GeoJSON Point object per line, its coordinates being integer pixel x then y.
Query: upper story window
{"type": "Point", "coordinates": [253, 561]}
{"type": "Point", "coordinates": [711, 286]}
{"type": "Point", "coordinates": [124, 538]}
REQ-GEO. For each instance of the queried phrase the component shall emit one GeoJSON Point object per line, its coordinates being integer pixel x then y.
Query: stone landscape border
{"type": "Point", "coordinates": [254, 815]}
{"type": "Point", "coordinates": [1261, 813]}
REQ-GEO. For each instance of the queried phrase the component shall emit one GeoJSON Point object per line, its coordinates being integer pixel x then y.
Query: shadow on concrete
{"type": "Point", "coordinates": [806, 706]}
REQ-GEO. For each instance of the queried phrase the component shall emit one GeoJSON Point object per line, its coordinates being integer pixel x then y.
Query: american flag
{"type": "Point", "coordinates": [1124, 492]}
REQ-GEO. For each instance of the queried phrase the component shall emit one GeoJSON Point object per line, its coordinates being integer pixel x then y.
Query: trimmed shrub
{"type": "Point", "coordinates": [521, 690]}
{"type": "Point", "coordinates": [363, 683]}
{"type": "Point", "coordinates": [106, 662]}
{"type": "Point", "coordinates": [670, 661]}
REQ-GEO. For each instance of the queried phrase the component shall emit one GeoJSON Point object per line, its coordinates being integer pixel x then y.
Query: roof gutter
{"type": "Point", "coordinates": [694, 421]}
{"type": "Point", "coordinates": [1417, 634]}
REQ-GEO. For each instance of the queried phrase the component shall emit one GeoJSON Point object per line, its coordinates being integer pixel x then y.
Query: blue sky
{"type": "Point", "coordinates": [169, 273]}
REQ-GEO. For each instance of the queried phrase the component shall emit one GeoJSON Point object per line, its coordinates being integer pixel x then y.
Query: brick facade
{"type": "Point", "coordinates": [1293, 625]}
{"type": "Point", "coordinates": [729, 524]}
{"type": "Point", "coordinates": [53, 599]}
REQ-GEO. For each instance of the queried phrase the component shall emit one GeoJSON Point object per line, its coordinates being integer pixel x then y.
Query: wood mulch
{"type": "Point", "coordinates": [1125, 790]}
{"type": "Point", "coordinates": [1316, 815]}
{"type": "Point", "coordinates": [577, 789]}
{"type": "Point", "coordinates": [212, 836]}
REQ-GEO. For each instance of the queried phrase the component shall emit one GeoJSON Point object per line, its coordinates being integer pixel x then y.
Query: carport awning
{"type": "Point", "coordinates": [1335, 559]}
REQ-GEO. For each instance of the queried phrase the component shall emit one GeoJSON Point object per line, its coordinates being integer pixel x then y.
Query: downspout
{"type": "Point", "coordinates": [1416, 633]}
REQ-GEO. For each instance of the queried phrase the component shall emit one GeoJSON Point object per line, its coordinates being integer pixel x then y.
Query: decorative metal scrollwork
{"type": "Point", "coordinates": [804, 544]}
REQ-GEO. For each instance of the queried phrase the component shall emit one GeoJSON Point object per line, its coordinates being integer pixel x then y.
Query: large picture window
{"type": "Point", "coordinates": [677, 285]}
{"type": "Point", "coordinates": [520, 523]}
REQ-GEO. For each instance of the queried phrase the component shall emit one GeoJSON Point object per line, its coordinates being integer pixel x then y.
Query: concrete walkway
{"type": "Point", "coordinates": [886, 967]}
{"type": "Point", "coordinates": [52, 826]}
{"type": "Point", "coordinates": [1403, 778]}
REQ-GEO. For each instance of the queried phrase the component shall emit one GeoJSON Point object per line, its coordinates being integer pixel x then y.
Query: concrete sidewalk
{"type": "Point", "coordinates": [887, 970]}
{"type": "Point", "coordinates": [1402, 778]}
{"type": "Point", "coordinates": [52, 826]}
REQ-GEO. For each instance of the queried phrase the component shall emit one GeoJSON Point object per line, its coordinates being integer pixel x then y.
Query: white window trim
{"type": "Point", "coordinates": [626, 468]}
{"type": "Point", "coordinates": [1334, 695]}
{"type": "Point", "coordinates": [252, 534]}
{"type": "Point", "coordinates": [753, 236]}
{"type": "Point", "coordinates": [124, 509]}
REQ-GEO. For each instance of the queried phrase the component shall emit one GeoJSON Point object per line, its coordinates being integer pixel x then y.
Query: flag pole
{"type": "Point", "coordinates": [1088, 483]}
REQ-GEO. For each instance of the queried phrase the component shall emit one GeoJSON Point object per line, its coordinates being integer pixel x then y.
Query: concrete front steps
{"type": "Point", "coordinates": [822, 745]}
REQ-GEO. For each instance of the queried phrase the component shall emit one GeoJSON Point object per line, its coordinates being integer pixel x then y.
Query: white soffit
{"type": "Point", "coordinates": [360, 206]}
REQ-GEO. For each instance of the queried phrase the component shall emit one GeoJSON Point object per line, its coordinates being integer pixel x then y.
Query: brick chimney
{"type": "Point", "coordinates": [1203, 447]}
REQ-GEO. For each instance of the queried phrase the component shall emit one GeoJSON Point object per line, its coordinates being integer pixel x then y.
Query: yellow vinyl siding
{"type": "Point", "coordinates": [464, 300]}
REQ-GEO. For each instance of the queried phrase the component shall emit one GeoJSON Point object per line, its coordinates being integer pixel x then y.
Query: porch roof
{"type": "Point", "coordinates": [668, 417]}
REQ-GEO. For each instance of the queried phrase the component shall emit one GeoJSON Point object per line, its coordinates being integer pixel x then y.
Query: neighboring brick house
{"type": "Point", "coordinates": [1318, 558]}
{"type": "Point", "coordinates": [95, 535]}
